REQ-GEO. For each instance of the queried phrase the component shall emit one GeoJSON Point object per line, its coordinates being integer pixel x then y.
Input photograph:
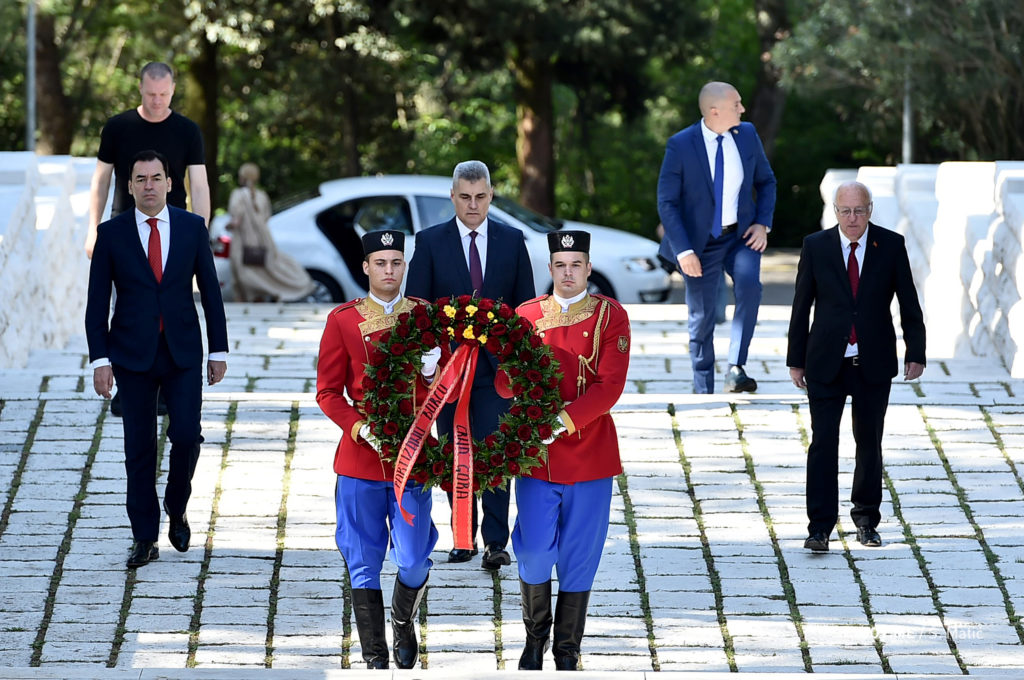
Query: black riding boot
{"type": "Point", "coordinates": [570, 619]}
{"type": "Point", "coordinates": [537, 617]}
{"type": "Point", "coordinates": [405, 609]}
{"type": "Point", "coordinates": [368, 606]}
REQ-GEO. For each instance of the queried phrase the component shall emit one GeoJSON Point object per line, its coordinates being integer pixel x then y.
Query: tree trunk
{"type": "Point", "coordinates": [56, 119]}
{"type": "Point", "coordinates": [535, 147]}
{"type": "Point", "coordinates": [769, 99]}
{"type": "Point", "coordinates": [206, 74]}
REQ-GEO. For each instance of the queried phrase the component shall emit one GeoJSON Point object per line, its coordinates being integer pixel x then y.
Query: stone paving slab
{"type": "Point", "coordinates": [704, 573]}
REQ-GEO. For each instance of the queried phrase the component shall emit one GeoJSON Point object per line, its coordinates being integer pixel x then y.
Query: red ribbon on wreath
{"type": "Point", "coordinates": [454, 383]}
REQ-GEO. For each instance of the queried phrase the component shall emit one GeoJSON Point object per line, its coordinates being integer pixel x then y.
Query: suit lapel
{"type": "Point", "coordinates": [177, 247]}
{"type": "Point", "coordinates": [835, 255]}
{"type": "Point", "coordinates": [872, 252]}
{"type": "Point", "coordinates": [700, 151]}
{"type": "Point", "coordinates": [461, 266]}
{"type": "Point", "coordinates": [134, 241]}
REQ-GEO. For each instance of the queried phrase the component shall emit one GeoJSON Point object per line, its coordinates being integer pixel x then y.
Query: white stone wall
{"type": "Point", "coordinates": [963, 224]}
{"type": "Point", "coordinates": [43, 267]}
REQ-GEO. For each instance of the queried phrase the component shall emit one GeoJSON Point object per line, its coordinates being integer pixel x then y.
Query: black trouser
{"type": "Point", "coordinates": [827, 401]}
{"type": "Point", "coordinates": [183, 390]}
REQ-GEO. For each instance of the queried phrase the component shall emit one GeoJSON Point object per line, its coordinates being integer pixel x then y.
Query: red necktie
{"type": "Point", "coordinates": [853, 269]}
{"type": "Point", "coordinates": [155, 255]}
{"type": "Point", "coordinates": [476, 272]}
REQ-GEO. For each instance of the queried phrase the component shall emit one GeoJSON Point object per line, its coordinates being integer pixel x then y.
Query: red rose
{"type": "Point", "coordinates": [446, 486]}
{"type": "Point", "coordinates": [368, 383]}
{"type": "Point", "coordinates": [493, 345]}
{"type": "Point", "coordinates": [401, 386]}
{"type": "Point", "coordinates": [533, 412]}
{"type": "Point", "coordinates": [384, 338]}
{"type": "Point", "coordinates": [490, 441]}
{"type": "Point", "coordinates": [513, 449]}
{"type": "Point", "coordinates": [384, 392]}
{"type": "Point", "coordinates": [437, 468]}
{"type": "Point", "coordinates": [552, 381]}
{"type": "Point", "coordinates": [387, 450]}
{"type": "Point", "coordinates": [383, 373]}
{"type": "Point", "coordinates": [412, 346]}
{"type": "Point", "coordinates": [525, 432]}
{"type": "Point", "coordinates": [505, 351]}
{"type": "Point", "coordinates": [377, 358]}
{"type": "Point", "coordinates": [515, 371]}
{"type": "Point", "coordinates": [461, 315]}
{"type": "Point", "coordinates": [533, 451]}
{"type": "Point", "coordinates": [516, 334]}
{"type": "Point", "coordinates": [402, 331]}
{"type": "Point", "coordinates": [431, 441]}
{"type": "Point", "coordinates": [448, 449]}
{"type": "Point", "coordinates": [421, 476]}
{"type": "Point", "coordinates": [408, 369]}
{"type": "Point", "coordinates": [419, 310]}
{"type": "Point", "coordinates": [499, 329]}
{"type": "Point", "coordinates": [497, 480]}
{"type": "Point", "coordinates": [516, 410]}
{"type": "Point", "coordinates": [486, 304]}
{"type": "Point", "coordinates": [544, 361]}
{"type": "Point", "coordinates": [429, 339]}
{"type": "Point", "coordinates": [544, 430]}
{"type": "Point", "coordinates": [422, 323]}
{"type": "Point", "coordinates": [504, 428]}
{"type": "Point", "coordinates": [497, 459]}
{"type": "Point", "coordinates": [476, 485]}
{"type": "Point", "coordinates": [517, 389]}
{"type": "Point", "coordinates": [463, 300]}
{"type": "Point", "coordinates": [442, 302]}
{"type": "Point", "coordinates": [398, 349]}
{"type": "Point", "coordinates": [534, 375]}
{"type": "Point", "coordinates": [390, 428]}
{"type": "Point", "coordinates": [382, 410]}
{"type": "Point", "coordinates": [526, 356]}
{"type": "Point", "coordinates": [513, 467]}
{"type": "Point", "coordinates": [535, 341]}
{"type": "Point", "coordinates": [479, 467]}
{"type": "Point", "coordinates": [505, 312]}
{"type": "Point", "coordinates": [403, 317]}
{"type": "Point", "coordinates": [554, 407]}
{"type": "Point", "coordinates": [405, 407]}
{"type": "Point", "coordinates": [536, 392]}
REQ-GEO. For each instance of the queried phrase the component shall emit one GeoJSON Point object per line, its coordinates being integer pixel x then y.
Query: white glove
{"type": "Point", "coordinates": [430, 360]}
{"type": "Point", "coordinates": [557, 430]}
{"type": "Point", "coordinates": [369, 437]}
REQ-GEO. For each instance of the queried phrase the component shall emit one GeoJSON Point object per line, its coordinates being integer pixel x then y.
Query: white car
{"type": "Point", "coordinates": [324, 233]}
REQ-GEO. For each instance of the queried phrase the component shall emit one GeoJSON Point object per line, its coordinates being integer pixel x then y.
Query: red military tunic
{"type": "Point", "coordinates": [591, 343]}
{"type": "Point", "coordinates": [348, 339]}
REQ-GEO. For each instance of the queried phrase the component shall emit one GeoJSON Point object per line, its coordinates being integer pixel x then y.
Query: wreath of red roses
{"type": "Point", "coordinates": [516, 446]}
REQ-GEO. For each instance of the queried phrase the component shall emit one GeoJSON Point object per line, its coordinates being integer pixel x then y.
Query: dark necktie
{"type": "Point", "coordinates": [155, 255]}
{"type": "Point", "coordinates": [853, 269]}
{"type": "Point", "coordinates": [719, 181]}
{"type": "Point", "coordinates": [476, 272]}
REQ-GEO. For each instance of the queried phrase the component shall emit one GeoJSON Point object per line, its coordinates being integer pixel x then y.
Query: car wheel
{"type": "Point", "coordinates": [595, 284]}
{"type": "Point", "coordinates": [326, 289]}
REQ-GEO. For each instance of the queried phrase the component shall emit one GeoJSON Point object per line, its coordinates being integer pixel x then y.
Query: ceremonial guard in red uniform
{"type": "Point", "coordinates": [368, 513]}
{"type": "Point", "coordinates": [564, 504]}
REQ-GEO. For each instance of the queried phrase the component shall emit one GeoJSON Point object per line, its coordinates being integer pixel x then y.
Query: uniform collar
{"type": "Point", "coordinates": [380, 306]}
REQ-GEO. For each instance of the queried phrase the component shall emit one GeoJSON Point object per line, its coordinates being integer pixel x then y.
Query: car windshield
{"type": "Point", "coordinates": [535, 221]}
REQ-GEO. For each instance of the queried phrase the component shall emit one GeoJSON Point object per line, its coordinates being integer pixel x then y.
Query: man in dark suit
{"type": "Point", "coordinates": [471, 253]}
{"type": "Point", "coordinates": [149, 256]}
{"type": "Point", "coordinates": [713, 221]}
{"type": "Point", "coordinates": [849, 274]}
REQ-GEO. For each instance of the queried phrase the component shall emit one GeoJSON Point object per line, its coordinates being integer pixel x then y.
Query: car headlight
{"type": "Point", "coordinates": [640, 264]}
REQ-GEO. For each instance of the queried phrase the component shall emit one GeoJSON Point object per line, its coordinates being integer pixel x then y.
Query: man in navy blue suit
{"type": "Point", "coordinates": [471, 253]}
{"type": "Point", "coordinates": [149, 256]}
{"type": "Point", "coordinates": [716, 196]}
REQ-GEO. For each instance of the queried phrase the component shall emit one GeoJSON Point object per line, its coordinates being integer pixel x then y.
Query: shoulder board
{"type": "Point", "coordinates": [346, 305]}
{"type": "Point", "coordinates": [536, 299]}
{"type": "Point", "coordinates": [419, 301]}
{"type": "Point", "coordinates": [612, 301]}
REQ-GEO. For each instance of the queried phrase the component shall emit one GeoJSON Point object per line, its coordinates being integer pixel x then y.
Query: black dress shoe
{"type": "Point", "coordinates": [179, 532]}
{"type": "Point", "coordinates": [143, 552]}
{"type": "Point", "coordinates": [868, 537]}
{"type": "Point", "coordinates": [737, 380]}
{"type": "Point", "coordinates": [495, 557]}
{"type": "Point", "coordinates": [461, 555]}
{"type": "Point", "coordinates": [817, 542]}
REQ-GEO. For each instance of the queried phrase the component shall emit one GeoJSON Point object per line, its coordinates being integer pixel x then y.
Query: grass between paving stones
{"type": "Point", "coordinates": [499, 646]}
{"type": "Point", "coordinates": [780, 561]}
{"type": "Point", "coordinates": [204, 568]}
{"type": "Point", "coordinates": [282, 523]}
{"type": "Point", "coordinates": [65, 544]}
{"type": "Point", "coordinates": [131, 575]}
{"type": "Point", "coordinates": [865, 598]}
{"type": "Point", "coordinates": [961, 496]}
{"type": "Point", "coordinates": [30, 438]}
{"type": "Point", "coordinates": [922, 564]}
{"type": "Point", "coordinates": [641, 578]}
{"type": "Point", "coordinates": [705, 547]}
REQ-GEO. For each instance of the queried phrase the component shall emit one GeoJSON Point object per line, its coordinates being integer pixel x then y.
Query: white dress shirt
{"type": "Point", "coordinates": [388, 306]}
{"type": "Point", "coordinates": [733, 166]}
{"type": "Point", "coordinates": [481, 242]}
{"type": "Point", "coordinates": [164, 227]}
{"type": "Point", "coordinates": [565, 303]}
{"type": "Point", "coordinates": [851, 350]}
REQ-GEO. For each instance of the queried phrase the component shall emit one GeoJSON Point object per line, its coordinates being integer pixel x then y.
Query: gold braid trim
{"type": "Point", "coordinates": [590, 363]}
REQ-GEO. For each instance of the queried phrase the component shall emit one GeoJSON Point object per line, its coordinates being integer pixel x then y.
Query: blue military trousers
{"type": "Point", "coordinates": [368, 517]}
{"type": "Point", "coordinates": [561, 526]}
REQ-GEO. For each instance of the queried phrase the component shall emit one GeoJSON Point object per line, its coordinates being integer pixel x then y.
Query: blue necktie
{"type": "Point", "coordinates": [716, 224]}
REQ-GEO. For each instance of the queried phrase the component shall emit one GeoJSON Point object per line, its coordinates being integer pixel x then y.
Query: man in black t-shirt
{"type": "Point", "coordinates": [152, 125]}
